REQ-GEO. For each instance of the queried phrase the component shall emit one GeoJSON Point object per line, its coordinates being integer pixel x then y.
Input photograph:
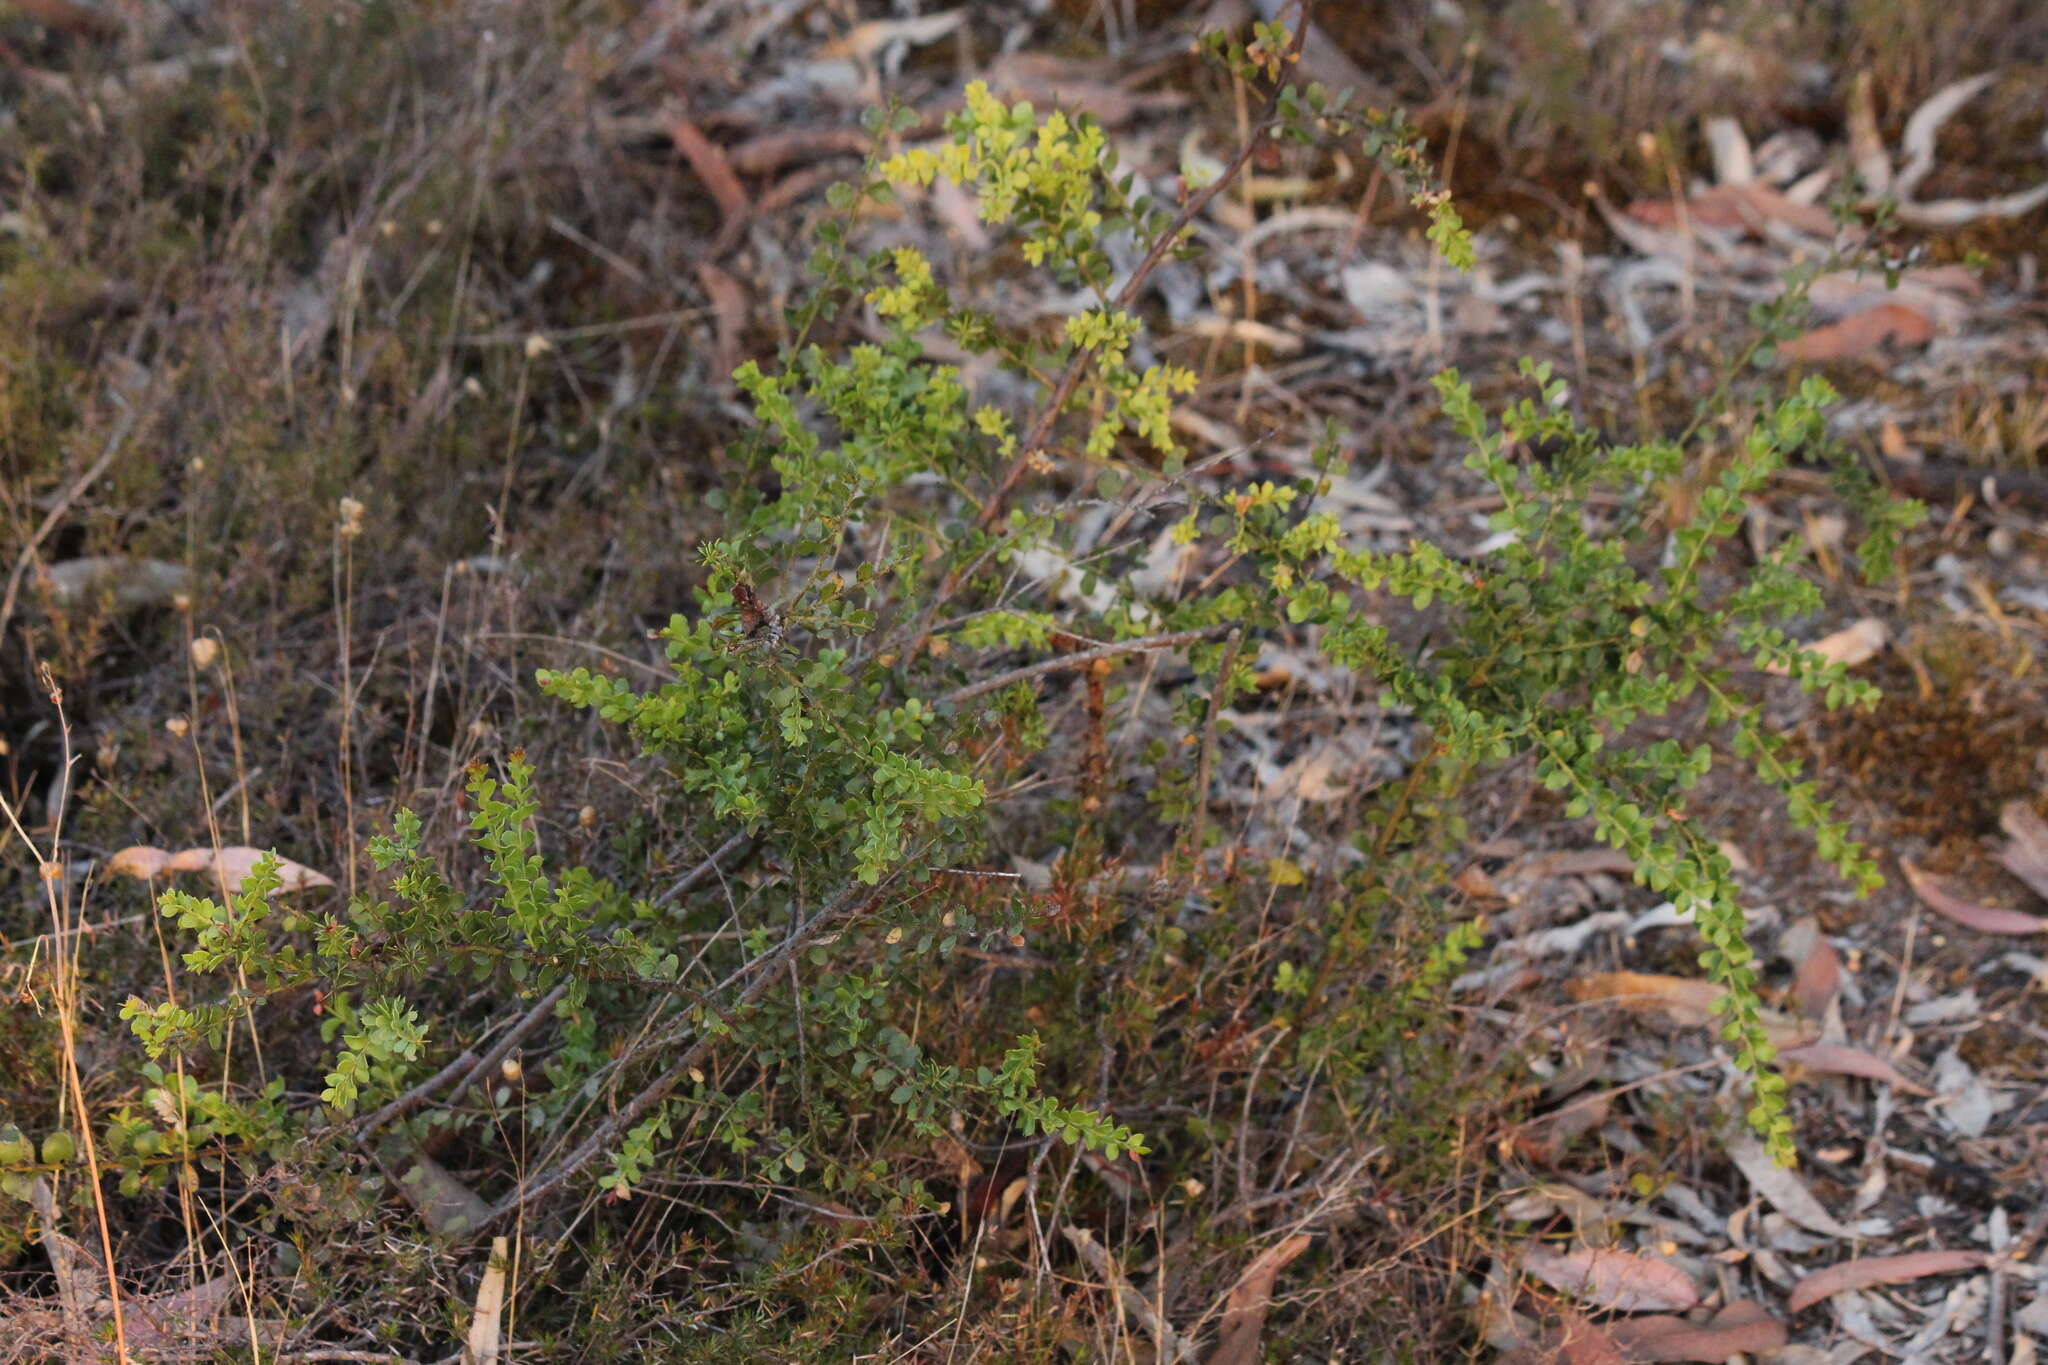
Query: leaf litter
{"type": "Point", "coordinates": [1342, 302]}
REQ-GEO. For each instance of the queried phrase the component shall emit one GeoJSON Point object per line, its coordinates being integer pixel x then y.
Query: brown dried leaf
{"type": "Point", "coordinates": [1544, 1139]}
{"type": "Point", "coordinates": [1853, 645]}
{"type": "Point", "coordinates": [1945, 293]}
{"type": "Point", "coordinates": [729, 313]}
{"type": "Point", "coordinates": [1244, 1313]}
{"type": "Point", "coordinates": [1787, 1193]}
{"type": "Point", "coordinates": [1475, 882]}
{"type": "Point", "coordinates": [1575, 862]}
{"type": "Point", "coordinates": [1818, 978]}
{"type": "Point", "coordinates": [1580, 1342]}
{"type": "Point", "coordinates": [1841, 1060]}
{"type": "Point", "coordinates": [1887, 324]}
{"type": "Point", "coordinates": [1865, 1271]}
{"type": "Point", "coordinates": [1751, 207]}
{"type": "Point", "coordinates": [1612, 1278]}
{"type": "Point", "coordinates": [140, 860]}
{"type": "Point", "coordinates": [1683, 1000]}
{"type": "Point", "coordinates": [1742, 1328]}
{"type": "Point", "coordinates": [708, 161]}
{"type": "Point", "coordinates": [2026, 857]}
{"type": "Point", "coordinates": [864, 41]}
{"type": "Point", "coordinates": [235, 862]}
{"type": "Point", "coordinates": [770, 152]}
{"type": "Point", "coordinates": [1892, 441]}
{"type": "Point", "coordinates": [1985, 919]}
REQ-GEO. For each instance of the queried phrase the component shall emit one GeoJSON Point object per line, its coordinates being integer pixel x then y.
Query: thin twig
{"type": "Point", "coordinates": [1171, 1345]}
{"type": "Point", "coordinates": [464, 1069]}
{"type": "Point", "coordinates": [64, 983]}
{"type": "Point", "coordinates": [115, 440]}
{"type": "Point", "coordinates": [1208, 763]}
{"type": "Point", "coordinates": [467, 1068]}
{"type": "Point", "coordinates": [766, 970]}
{"type": "Point", "coordinates": [1086, 656]}
{"type": "Point", "coordinates": [695, 876]}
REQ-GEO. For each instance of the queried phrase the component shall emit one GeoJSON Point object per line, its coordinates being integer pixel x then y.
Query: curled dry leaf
{"type": "Point", "coordinates": [1742, 1328]}
{"type": "Point", "coordinates": [1612, 1278]}
{"type": "Point", "coordinates": [1985, 919]}
{"type": "Point", "coordinates": [234, 864]}
{"type": "Point", "coordinates": [1865, 1271]}
{"type": "Point", "coordinates": [1956, 212]}
{"type": "Point", "coordinates": [1683, 999]}
{"type": "Point", "coordinates": [1917, 142]}
{"type": "Point", "coordinates": [141, 860]}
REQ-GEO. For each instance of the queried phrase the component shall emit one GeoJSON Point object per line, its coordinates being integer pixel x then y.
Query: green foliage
{"type": "Point", "coordinates": [1562, 640]}
{"type": "Point", "coordinates": [390, 1033]}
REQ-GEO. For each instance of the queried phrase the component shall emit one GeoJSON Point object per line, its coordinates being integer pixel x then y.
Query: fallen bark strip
{"type": "Point", "coordinates": [1934, 477]}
